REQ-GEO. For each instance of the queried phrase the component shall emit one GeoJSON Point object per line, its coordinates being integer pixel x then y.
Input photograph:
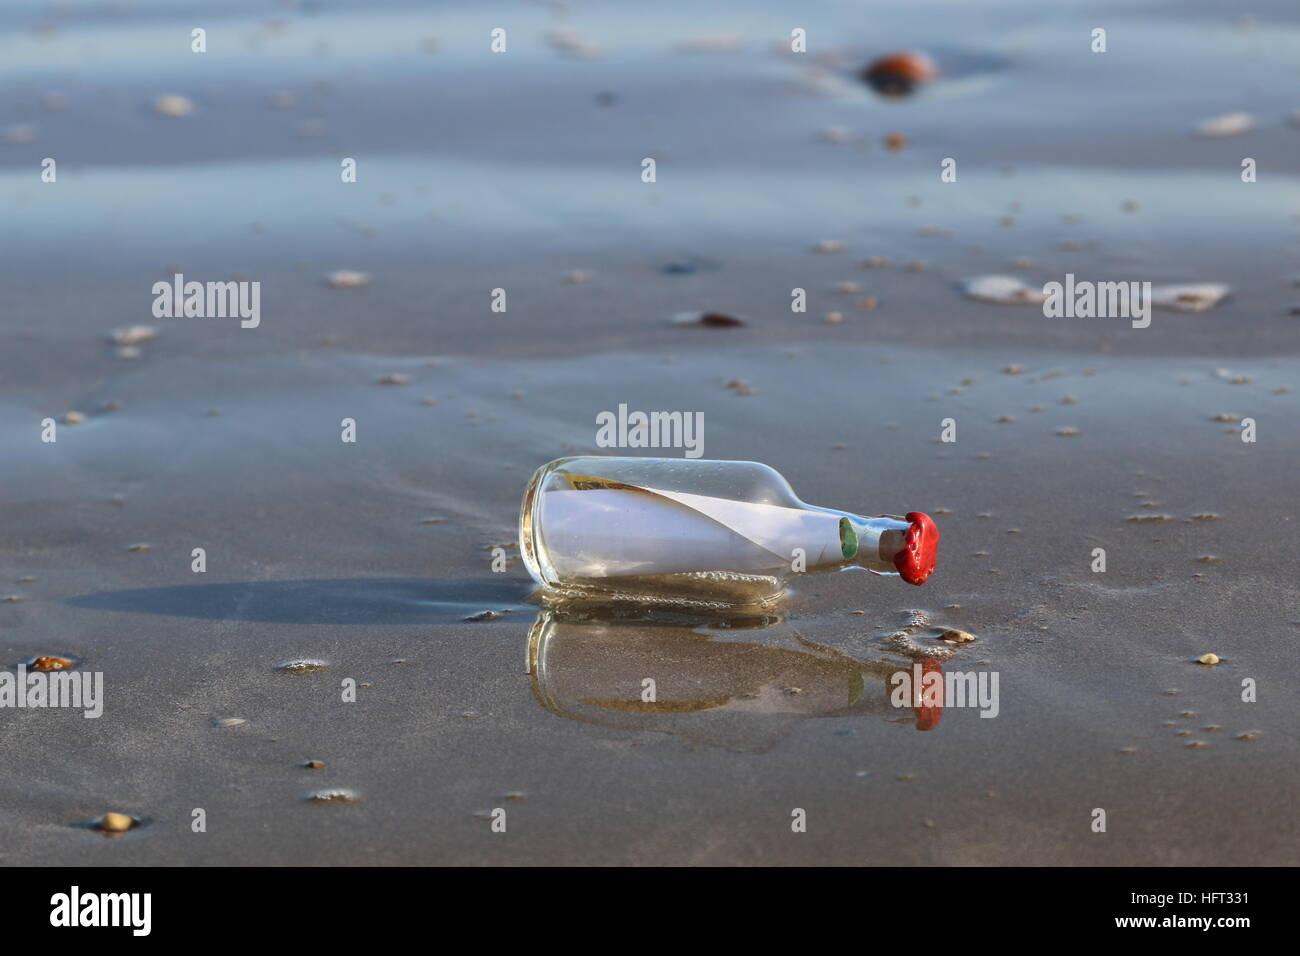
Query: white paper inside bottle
{"type": "Point", "coordinates": [610, 532]}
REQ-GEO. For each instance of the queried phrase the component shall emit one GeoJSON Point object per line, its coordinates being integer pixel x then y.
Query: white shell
{"type": "Point", "coordinates": [1004, 290]}
{"type": "Point", "coordinates": [1189, 298]}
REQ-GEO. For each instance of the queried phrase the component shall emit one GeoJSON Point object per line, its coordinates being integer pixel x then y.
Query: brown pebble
{"type": "Point", "coordinates": [895, 141]}
{"type": "Point", "coordinates": [719, 320]}
{"type": "Point", "coordinates": [312, 765]}
{"type": "Point", "coordinates": [1208, 659]}
{"type": "Point", "coordinates": [394, 378]}
{"type": "Point", "coordinates": [899, 74]}
{"type": "Point", "coordinates": [49, 662]}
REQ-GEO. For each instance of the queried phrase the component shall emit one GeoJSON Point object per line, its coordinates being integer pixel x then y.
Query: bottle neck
{"type": "Point", "coordinates": [869, 543]}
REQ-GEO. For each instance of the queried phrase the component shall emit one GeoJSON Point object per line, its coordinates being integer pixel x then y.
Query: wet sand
{"type": "Point", "coordinates": [371, 556]}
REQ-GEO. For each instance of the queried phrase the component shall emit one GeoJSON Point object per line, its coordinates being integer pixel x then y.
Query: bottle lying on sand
{"type": "Point", "coordinates": [692, 531]}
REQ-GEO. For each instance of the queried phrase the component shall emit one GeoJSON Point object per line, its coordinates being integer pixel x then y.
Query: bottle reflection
{"type": "Point", "coordinates": [740, 683]}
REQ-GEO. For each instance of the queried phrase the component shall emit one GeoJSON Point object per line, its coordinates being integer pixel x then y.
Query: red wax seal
{"type": "Point", "coordinates": [915, 562]}
{"type": "Point", "coordinates": [928, 713]}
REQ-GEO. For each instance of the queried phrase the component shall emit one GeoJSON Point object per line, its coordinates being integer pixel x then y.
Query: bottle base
{"type": "Point", "coordinates": [711, 590]}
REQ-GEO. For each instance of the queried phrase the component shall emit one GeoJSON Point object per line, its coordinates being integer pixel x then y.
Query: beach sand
{"type": "Point", "coordinates": [480, 171]}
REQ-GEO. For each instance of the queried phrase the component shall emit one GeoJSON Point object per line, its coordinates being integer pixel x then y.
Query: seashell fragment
{"type": "Point", "coordinates": [1196, 297]}
{"type": "Point", "coordinates": [332, 796]}
{"type": "Point", "coordinates": [1003, 290]}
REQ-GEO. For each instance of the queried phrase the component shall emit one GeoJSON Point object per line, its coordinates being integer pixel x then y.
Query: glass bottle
{"type": "Point", "coordinates": [692, 531]}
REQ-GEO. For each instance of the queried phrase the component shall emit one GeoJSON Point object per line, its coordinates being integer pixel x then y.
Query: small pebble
{"type": "Point", "coordinates": [346, 279]}
{"type": "Point", "coordinates": [900, 74]}
{"type": "Point", "coordinates": [115, 822]}
{"type": "Point", "coordinates": [133, 335]}
{"type": "Point", "coordinates": [894, 141]}
{"type": "Point", "coordinates": [174, 105]}
{"type": "Point", "coordinates": [1228, 124]}
{"type": "Point", "coordinates": [1209, 659]}
{"type": "Point", "coordinates": [20, 134]}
